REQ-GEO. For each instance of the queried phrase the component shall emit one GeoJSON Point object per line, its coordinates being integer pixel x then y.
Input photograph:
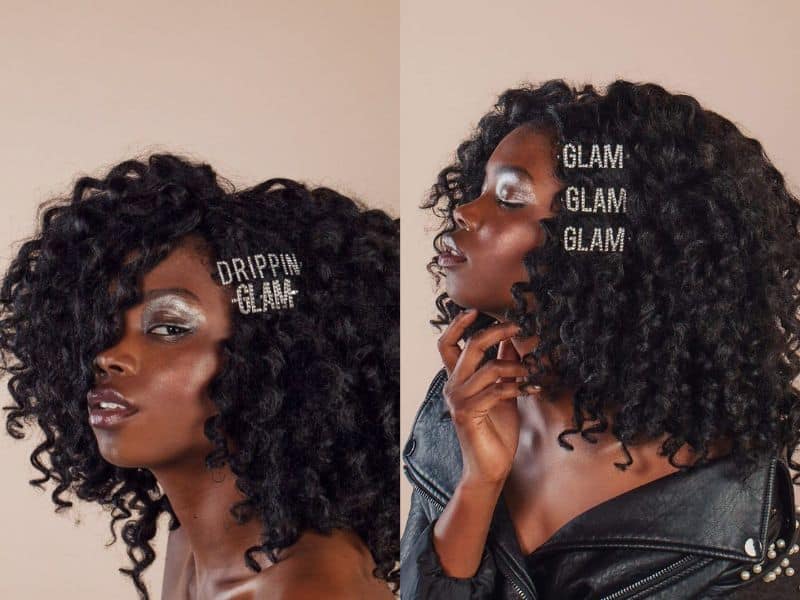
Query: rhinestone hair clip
{"type": "Point", "coordinates": [580, 199]}
{"type": "Point", "coordinates": [264, 282]}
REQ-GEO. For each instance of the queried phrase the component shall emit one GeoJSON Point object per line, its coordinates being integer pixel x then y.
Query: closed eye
{"type": "Point", "coordinates": [511, 204]}
{"type": "Point", "coordinates": [513, 190]}
{"type": "Point", "coordinates": [506, 194]}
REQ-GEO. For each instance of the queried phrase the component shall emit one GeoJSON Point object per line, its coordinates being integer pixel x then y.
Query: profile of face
{"type": "Point", "coordinates": [499, 227]}
{"type": "Point", "coordinates": [163, 364]}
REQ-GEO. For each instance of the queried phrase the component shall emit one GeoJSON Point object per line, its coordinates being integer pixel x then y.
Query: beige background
{"type": "Point", "coordinates": [738, 58]}
{"type": "Point", "coordinates": [310, 90]}
{"type": "Point", "coordinates": [300, 89]}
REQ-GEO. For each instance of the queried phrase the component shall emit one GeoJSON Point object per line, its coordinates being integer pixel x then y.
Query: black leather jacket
{"type": "Point", "coordinates": [697, 534]}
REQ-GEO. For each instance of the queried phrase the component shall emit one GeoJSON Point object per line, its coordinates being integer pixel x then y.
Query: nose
{"type": "Point", "coordinates": [466, 216]}
{"type": "Point", "coordinates": [113, 360]}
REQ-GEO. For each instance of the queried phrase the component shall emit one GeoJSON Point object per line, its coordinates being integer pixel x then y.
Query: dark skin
{"type": "Point", "coordinates": [163, 364]}
{"type": "Point", "coordinates": [508, 439]}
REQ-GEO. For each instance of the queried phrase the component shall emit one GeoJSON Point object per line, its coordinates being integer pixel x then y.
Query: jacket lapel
{"type": "Point", "coordinates": [708, 511]}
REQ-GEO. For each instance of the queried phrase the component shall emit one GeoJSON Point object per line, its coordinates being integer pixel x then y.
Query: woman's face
{"type": "Point", "coordinates": [169, 353]}
{"type": "Point", "coordinates": [498, 228]}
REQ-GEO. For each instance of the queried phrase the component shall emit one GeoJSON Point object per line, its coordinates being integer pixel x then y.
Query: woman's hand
{"type": "Point", "coordinates": [482, 401]}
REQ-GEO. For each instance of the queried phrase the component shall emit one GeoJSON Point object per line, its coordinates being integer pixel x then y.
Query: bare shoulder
{"type": "Point", "coordinates": [335, 566]}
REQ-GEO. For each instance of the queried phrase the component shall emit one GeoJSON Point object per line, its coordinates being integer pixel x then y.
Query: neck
{"type": "Point", "coordinates": [202, 499]}
{"type": "Point", "coordinates": [543, 414]}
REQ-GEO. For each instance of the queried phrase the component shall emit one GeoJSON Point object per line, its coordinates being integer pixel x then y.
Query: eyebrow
{"type": "Point", "coordinates": [177, 291]}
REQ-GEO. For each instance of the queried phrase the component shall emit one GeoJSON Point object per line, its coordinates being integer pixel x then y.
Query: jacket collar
{"type": "Point", "coordinates": [709, 510]}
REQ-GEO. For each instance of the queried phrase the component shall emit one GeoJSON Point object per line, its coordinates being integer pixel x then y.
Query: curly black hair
{"type": "Point", "coordinates": [692, 331]}
{"type": "Point", "coordinates": [309, 396]}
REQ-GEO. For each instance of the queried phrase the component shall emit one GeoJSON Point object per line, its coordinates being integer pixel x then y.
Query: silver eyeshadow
{"type": "Point", "coordinates": [512, 188]}
{"type": "Point", "coordinates": [171, 309]}
{"type": "Point", "coordinates": [512, 177]}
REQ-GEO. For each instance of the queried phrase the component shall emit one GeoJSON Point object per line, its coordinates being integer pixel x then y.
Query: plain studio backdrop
{"type": "Point", "coordinates": [371, 98]}
{"type": "Point", "coordinates": [300, 89]}
{"type": "Point", "coordinates": [737, 58]}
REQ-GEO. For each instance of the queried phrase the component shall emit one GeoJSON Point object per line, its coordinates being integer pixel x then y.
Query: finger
{"type": "Point", "coordinates": [487, 398]}
{"type": "Point", "coordinates": [476, 348]}
{"type": "Point", "coordinates": [507, 351]}
{"type": "Point", "coordinates": [490, 373]}
{"type": "Point", "coordinates": [447, 344]}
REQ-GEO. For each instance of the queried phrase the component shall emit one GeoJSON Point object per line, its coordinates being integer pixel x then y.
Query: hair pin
{"type": "Point", "coordinates": [598, 200]}
{"type": "Point", "coordinates": [265, 282]}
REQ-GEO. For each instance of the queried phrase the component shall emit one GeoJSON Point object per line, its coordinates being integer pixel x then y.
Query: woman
{"type": "Point", "coordinates": [624, 269]}
{"type": "Point", "coordinates": [230, 358]}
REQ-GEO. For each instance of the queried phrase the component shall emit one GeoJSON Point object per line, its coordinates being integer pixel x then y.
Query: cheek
{"type": "Point", "coordinates": [173, 394]}
{"type": "Point", "coordinates": [513, 243]}
{"type": "Point", "coordinates": [179, 387]}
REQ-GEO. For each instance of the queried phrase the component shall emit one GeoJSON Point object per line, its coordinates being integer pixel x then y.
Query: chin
{"type": "Point", "coordinates": [122, 461]}
{"type": "Point", "coordinates": [465, 296]}
{"type": "Point", "coordinates": [119, 457]}
{"type": "Point", "coordinates": [466, 301]}
{"type": "Point", "coordinates": [463, 300]}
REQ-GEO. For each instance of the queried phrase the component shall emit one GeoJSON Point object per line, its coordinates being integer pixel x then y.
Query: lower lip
{"type": "Point", "coordinates": [109, 417]}
{"type": "Point", "coordinates": [448, 259]}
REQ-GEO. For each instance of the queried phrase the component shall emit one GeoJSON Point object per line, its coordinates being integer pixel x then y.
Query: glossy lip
{"type": "Point", "coordinates": [448, 259]}
{"type": "Point", "coordinates": [453, 255]}
{"type": "Point", "coordinates": [450, 244]}
{"type": "Point", "coordinates": [108, 417]}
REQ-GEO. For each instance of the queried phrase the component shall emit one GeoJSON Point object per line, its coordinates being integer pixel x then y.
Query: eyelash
{"type": "Point", "coordinates": [182, 331]}
{"type": "Point", "coordinates": [509, 204]}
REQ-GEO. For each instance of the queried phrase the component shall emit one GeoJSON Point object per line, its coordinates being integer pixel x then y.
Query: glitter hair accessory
{"type": "Point", "coordinates": [582, 200]}
{"type": "Point", "coordinates": [264, 282]}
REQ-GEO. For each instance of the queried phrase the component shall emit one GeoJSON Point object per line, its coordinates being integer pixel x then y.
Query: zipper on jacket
{"type": "Point", "coordinates": [517, 589]}
{"type": "Point", "coordinates": [649, 579]}
{"type": "Point", "coordinates": [770, 492]}
{"type": "Point", "coordinates": [423, 492]}
{"type": "Point", "coordinates": [520, 592]}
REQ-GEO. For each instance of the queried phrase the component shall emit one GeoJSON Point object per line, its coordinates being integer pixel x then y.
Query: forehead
{"type": "Point", "coordinates": [185, 266]}
{"type": "Point", "coordinates": [526, 148]}
{"type": "Point", "coordinates": [188, 266]}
